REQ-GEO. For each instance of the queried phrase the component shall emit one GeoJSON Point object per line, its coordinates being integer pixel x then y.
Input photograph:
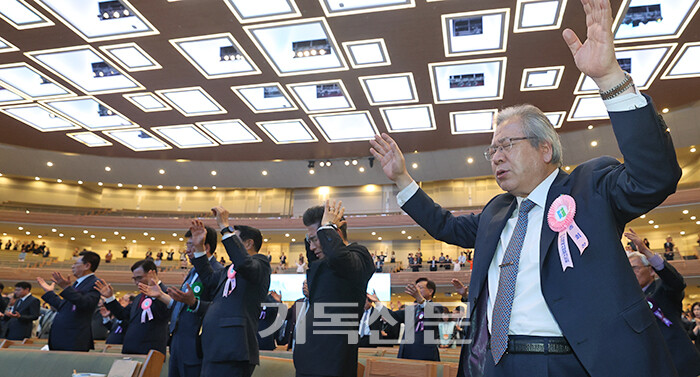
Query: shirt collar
{"type": "Point", "coordinates": [539, 194]}
{"type": "Point", "coordinates": [80, 280]}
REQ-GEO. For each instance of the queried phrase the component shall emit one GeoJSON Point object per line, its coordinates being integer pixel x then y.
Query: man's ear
{"type": "Point", "coordinates": [207, 248]}
{"type": "Point", "coordinates": [249, 244]}
{"type": "Point", "coordinates": [546, 150]}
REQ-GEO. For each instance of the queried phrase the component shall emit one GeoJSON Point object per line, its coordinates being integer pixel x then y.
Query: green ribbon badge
{"type": "Point", "coordinates": [197, 290]}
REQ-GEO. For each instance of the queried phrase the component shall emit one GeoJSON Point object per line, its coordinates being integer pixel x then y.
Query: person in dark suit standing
{"type": "Point", "coordinates": [665, 298]}
{"type": "Point", "coordinates": [294, 313]}
{"type": "Point", "coordinates": [369, 324]}
{"type": "Point", "coordinates": [229, 342]}
{"type": "Point", "coordinates": [4, 301]}
{"type": "Point", "coordinates": [268, 315]}
{"type": "Point", "coordinates": [147, 318]}
{"type": "Point", "coordinates": [421, 334]}
{"type": "Point", "coordinates": [555, 233]}
{"type": "Point", "coordinates": [189, 305]}
{"type": "Point", "coordinates": [20, 316]}
{"type": "Point", "coordinates": [71, 329]}
{"type": "Point", "coordinates": [337, 278]}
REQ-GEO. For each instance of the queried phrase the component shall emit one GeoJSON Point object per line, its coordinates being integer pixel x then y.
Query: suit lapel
{"type": "Point", "coordinates": [135, 306]}
{"type": "Point", "coordinates": [547, 235]}
{"type": "Point", "coordinates": [223, 279]}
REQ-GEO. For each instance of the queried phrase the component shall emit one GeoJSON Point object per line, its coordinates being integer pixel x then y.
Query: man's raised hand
{"type": "Point", "coordinates": [459, 287]}
{"type": "Point", "coordinates": [385, 149]}
{"type": "Point", "coordinates": [44, 285]}
{"type": "Point", "coordinates": [186, 298]}
{"type": "Point", "coordinates": [199, 233]}
{"type": "Point", "coordinates": [105, 289]}
{"type": "Point", "coordinates": [221, 215]}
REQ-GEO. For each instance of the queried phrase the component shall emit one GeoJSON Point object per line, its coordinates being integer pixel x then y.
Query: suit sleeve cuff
{"type": "Point", "coordinates": [626, 102]}
{"type": "Point", "coordinates": [110, 299]}
{"type": "Point", "coordinates": [227, 235]}
{"type": "Point", "coordinates": [407, 193]}
{"type": "Point", "coordinates": [656, 262]}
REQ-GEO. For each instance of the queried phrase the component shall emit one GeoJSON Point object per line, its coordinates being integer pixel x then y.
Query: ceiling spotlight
{"type": "Point", "coordinates": [80, 182]}
{"type": "Point", "coordinates": [692, 149]}
{"type": "Point", "coordinates": [415, 165]}
{"type": "Point", "coordinates": [104, 240]}
{"type": "Point", "coordinates": [294, 240]}
{"type": "Point", "coordinates": [92, 236]}
{"type": "Point", "coordinates": [567, 168]}
{"type": "Point", "coordinates": [27, 232]}
{"type": "Point", "coordinates": [642, 216]}
{"type": "Point", "coordinates": [664, 110]}
{"type": "Point", "coordinates": [265, 240]}
{"type": "Point", "coordinates": [40, 236]}
{"type": "Point", "coordinates": [213, 172]}
{"type": "Point", "coordinates": [594, 143]}
{"type": "Point", "coordinates": [682, 232]}
{"type": "Point", "coordinates": [213, 187]}
{"type": "Point", "coordinates": [102, 69]}
{"type": "Point", "coordinates": [228, 53]}
{"type": "Point", "coordinates": [153, 238]}
{"type": "Point", "coordinates": [403, 232]}
{"type": "Point", "coordinates": [139, 185]}
{"type": "Point", "coordinates": [264, 172]}
{"type": "Point", "coordinates": [145, 233]}
{"type": "Point", "coordinates": [409, 237]}
{"type": "Point", "coordinates": [685, 211]}
{"type": "Point", "coordinates": [37, 178]}
{"type": "Point", "coordinates": [72, 238]}
{"type": "Point", "coordinates": [174, 234]}
{"type": "Point", "coordinates": [107, 168]}
{"type": "Point", "coordinates": [697, 222]}
{"type": "Point", "coordinates": [656, 227]}
{"type": "Point", "coordinates": [85, 231]}
{"type": "Point", "coordinates": [374, 233]}
{"type": "Point", "coordinates": [347, 162]}
{"type": "Point", "coordinates": [59, 180]}
{"type": "Point", "coordinates": [20, 228]}
{"type": "Point", "coordinates": [54, 230]}
{"type": "Point", "coordinates": [133, 241]}
{"type": "Point", "coordinates": [379, 238]}
{"type": "Point", "coordinates": [354, 162]}
{"type": "Point", "coordinates": [162, 242]}
{"type": "Point", "coordinates": [123, 237]}
{"type": "Point", "coordinates": [361, 169]}
{"type": "Point", "coordinates": [26, 211]}
{"type": "Point", "coordinates": [60, 234]}
{"type": "Point", "coordinates": [195, 188]}
{"type": "Point", "coordinates": [116, 233]}
{"type": "Point", "coordinates": [312, 171]}
{"type": "Point", "coordinates": [651, 222]}
{"type": "Point", "coordinates": [177, 187]}
{"type": "Point", "coordinates": [322, 164]}
{"type": "Point", "coordinates": [161, 171]}
{"type": "Point", "coordinates": [100, 183]}
{"type": "Point", "coordinates": [590, 126]}
{"type": "Point", "coordinates": [470, 160]}
{"type": "Point", "coordinates": [315, 47]}
{"type": "Point", "coordinates": [119, 185]}
{"type": "Point", "coordinates": [160, 186]}
{"type": "Point", "coordinates": [49, 164]}
{"type": "Point", "coordinates": [286, 234]}
{"type": "Point", "coordinates": [328, 163]}
{"type": "Point", "coordinates": [112, 9]}
{"type": "Point", "coordinates": [693, 217]}
{"type": "Point", "coordinates": [180, 239]}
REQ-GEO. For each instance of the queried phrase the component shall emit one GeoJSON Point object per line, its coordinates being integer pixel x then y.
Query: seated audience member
{"type": "Point", "coordinates": [230, 345]}
{"type": "Point", "coordinates": [147, 318]}
{"type": "Point", "coordinates": [22, 254]}
{"type": "Point", "coordinates": [71, 329]}
{"type": "Point", "coordinates": [115, 326]}
{"type": "Point", "coordinates": [665, 298]}
{"type": "Point", "coordinates": [109, 256]}
{"type": "Point", "coordinates": [370, 324]}
{"type": "Point", "coordinates": [268, 315]}
{"type": "Point", "coordinates": [423, 323]}
{"type": "Point", "coordinates": [8, 245]}
{"type": "Point", "coordinates": [20, 315]}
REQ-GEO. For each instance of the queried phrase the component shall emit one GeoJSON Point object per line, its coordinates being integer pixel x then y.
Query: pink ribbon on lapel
{"type": "Point", "coordinates": [146, 310]}
{"type": "Point", "coordinates": [561, 219]}
{"type": "Point", "coordinates": [231, 282]}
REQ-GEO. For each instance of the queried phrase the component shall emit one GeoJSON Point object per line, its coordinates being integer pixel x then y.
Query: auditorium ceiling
{"type": "Point", "coordinates": [252, 80]}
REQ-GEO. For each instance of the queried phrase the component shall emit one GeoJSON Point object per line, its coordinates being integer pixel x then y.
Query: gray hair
{"type": "Point", "coordinates": [536, 126]}
{"type": "Point", "coordinates": [642, 257]}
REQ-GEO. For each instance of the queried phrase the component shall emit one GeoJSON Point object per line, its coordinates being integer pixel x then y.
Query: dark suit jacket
{"type": "Point", "coordinates": [71, 329]}
{"type": "Point", "coordinates": [185, 331]}
{"type": "Point", "coordinates": [668, 292]}
{"type": "Point", "coordinates": [425, 343]}
{"type": "Point", "coordinates": [139, 338]}
{"type": "Point", "coordinates": [374, 326]}
{"type": "Point", "coordinates": [230, 326]}
{"type": "Point", "coordinates": [292, 315]}
{"type": "Point", "coordinates": [116, 328]}
{"type": "Point", "coordinates": [20, 328]}
{"type": "Point", "coordinates": [340, 277]}
{"type": "Point", "coordinates": [268, 315]}
{"type": "Point", "coordinates": [598, 304]}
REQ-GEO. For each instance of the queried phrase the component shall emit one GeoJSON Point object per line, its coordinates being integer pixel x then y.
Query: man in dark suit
{"type": "Point", "coordinates": [266, 321]}
{"type": "Point", "coordinates": [229, 342]}
{"type": "Point", "coordinates": [147, 317]}
{"type": "Point", "coordinates": [337, 278]}
{"type": "Point", "coordinates": [421, 334]}
{"type": "Point", "coordinates": [189, 305]}
{"type": "Point", "coordinates": [4, 301]}
{"type": "Point", "coordinates": [665, 298]}
{"type": "Point", "coordinates": [294, 313]}
{"type": "Point", "coordinates": [19, 318]}
{"type": "Point", "coordinates": [577, 299]}
{"type": "Point", "coordinates": [115, 326]}
{"type": "Point", "coordinates": [369, 324]}
{"type": "Point", "coordinates": [71, 329]}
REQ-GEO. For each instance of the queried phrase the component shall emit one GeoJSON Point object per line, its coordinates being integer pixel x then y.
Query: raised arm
{"type": "Point", "coordinates": [250, 267]}
{"type": "Point", "coordinates": [209, 278]}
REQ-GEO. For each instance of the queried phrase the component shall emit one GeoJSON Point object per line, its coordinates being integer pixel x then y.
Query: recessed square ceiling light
{"type": "Point", "coordinates": [643, 63]}
{"type": "Point", "coordinates": [478, 32]}
{"type": "Point", "coordinates": [265, 98]}
{"type": "Point", "coordinates": [110, 19]}
{"type": "Point", "coordinates": [216, 55]}
{"type": "Point", "coordinates": [468, 80]}
{"type": "Point", "coordinates": [24, 79]}
{"type": "Point", "coordinates": [90, 139]}
{"type": "Point", "coordinates": [388, 89]}
{"type": "Point", "coordinates": [256, 11]}
{"type": "Point", "coordinates": [6, 46]}
{"type": "Point", "coordinates": [90, 113]}
{"type": "Point", "coordinates": [367, 53]}
{"type": "Point", "coordinates": [38, 117]}
{"type": "Point", "coordinates": [86, 69]}
{"type": "Point", "coordinates": [589, 107]}
{"type": "Point", "coordinates": [147, 102]}
{"type": "Point", "coordinates": [322, 96]}
{"type": "Point", "coordinates": [556, 118]}
{"type": "Point", "coordinates": [138, 140]}
{"type": "Point", "coordinates": [192, 101]}
{"type": "Point", "coordinates": [537, 15]}
{"type": "Point", "coordinates": [409, 118]}
{"type": "Point", "coordinates": [343, 127]}
{"type": "Point", "coordinates": [232, 131]}
{"type": "Point", "coordinates": [22, 15]}
{"type": "Point", "coordinates": [185, 136]}
{"type": "Point", "coordinates": [685, 63]}
{"type": "Point", "coordinates": [541, 78]}
{"type": "Point", "coordinates": [644, 20]}
{"type": "Point", "coordinates": [345, 7]}
{"type": "Point", "coordinates": [9, 97]}
{"type": "Point", "coordinates": [281, 42]}
{"type": "Point", "coordinates": [132, 57]}
{"type": "Point", "coordinates": [474, 121]}
{"type": "Point", "coordinates": [287, 131]}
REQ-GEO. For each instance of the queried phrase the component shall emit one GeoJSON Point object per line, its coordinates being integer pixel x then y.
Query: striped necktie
{"type": "Point", "coordinates": [506, 284]}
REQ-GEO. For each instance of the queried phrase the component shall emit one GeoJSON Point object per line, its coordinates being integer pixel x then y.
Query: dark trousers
{"type": "Point", "coordinates": [230, 369]}
{"type": "Point", "coordinates": [534, 364]}
{"type": "Point", "coordinates": [177, 366]}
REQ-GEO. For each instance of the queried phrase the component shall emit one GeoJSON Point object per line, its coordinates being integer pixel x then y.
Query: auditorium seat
{"type": "Point", "coordinates": [32, 363]}
{"type": "Point", "coordinates": [385, 367]}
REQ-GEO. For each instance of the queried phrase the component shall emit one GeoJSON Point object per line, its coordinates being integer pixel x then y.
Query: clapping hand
{"type": "Point", "coordinates": [186, 298]}
{"type": "Point", "coordinates": [413, 291]}
{"type": "Point", "coordinates": [44, 285]}
{"type": "Point", "coordinates": [459, 287]}
{"type": "Point", "coordinates": [152, 289]}
{"type": "Point", "coordinates": [62, 281]}
{"type": "Point", "coordinates": [105, 289]}
{"type": "Point", "coordinates": [199, 233]}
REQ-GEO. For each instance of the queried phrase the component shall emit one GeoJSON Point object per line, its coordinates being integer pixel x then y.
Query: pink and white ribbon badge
{"type": "Point", "coordinates": [561, 219]}
{"type": "Point", "coordinates": [231, 282]}
{"type": "Point", "coordinates": [146, 307]}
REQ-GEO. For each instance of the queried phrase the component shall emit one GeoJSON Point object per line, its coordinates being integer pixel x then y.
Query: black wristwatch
{"type": "Point", "coordinates": [228, 229]}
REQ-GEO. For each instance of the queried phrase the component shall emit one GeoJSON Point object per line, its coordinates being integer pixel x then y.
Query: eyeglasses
{"type": "Point", "coordinates": [505, 146]}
